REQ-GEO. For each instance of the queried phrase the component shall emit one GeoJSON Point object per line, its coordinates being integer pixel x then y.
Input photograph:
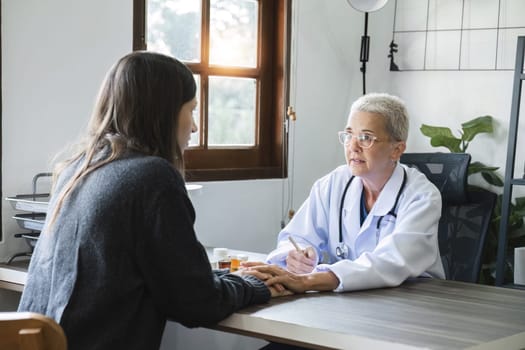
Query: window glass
{"type": "Point", "coordinates": [231, 111]}
{"type": "Point", "coordinates": [174, 28]}
{"type": "Point", "coordinates": [233, 32]}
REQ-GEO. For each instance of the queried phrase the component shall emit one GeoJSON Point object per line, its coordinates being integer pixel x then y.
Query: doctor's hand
{"type": "Point", "coordinates": [303, 261]}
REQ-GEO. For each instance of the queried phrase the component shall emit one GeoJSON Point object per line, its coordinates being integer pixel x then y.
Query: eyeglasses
{"type": "Point", "coordinates": [363, 140]}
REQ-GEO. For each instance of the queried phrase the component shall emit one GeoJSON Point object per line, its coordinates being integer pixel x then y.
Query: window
{"type": "Point", "coordinates": [237, 50]}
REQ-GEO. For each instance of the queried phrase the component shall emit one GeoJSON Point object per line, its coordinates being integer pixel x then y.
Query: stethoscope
{"type": "Point", "coordinates": [341, 251]}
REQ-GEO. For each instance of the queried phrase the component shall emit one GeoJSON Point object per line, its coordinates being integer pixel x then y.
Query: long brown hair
{"type": "Point", "coordinates": [137, 109]}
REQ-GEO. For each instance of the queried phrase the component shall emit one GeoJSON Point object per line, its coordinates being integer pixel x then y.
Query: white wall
{"type": "Point", "coordinates": [446, 98]}
{"type": "Point", "coordinates": [55, 53]}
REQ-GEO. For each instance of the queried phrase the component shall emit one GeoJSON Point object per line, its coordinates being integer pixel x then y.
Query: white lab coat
{"type": "Point", "coordinates": [402, 248]}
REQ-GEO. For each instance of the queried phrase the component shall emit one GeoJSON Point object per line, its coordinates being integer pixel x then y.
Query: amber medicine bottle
{"type": "Point", "coordinates": [221, 255]}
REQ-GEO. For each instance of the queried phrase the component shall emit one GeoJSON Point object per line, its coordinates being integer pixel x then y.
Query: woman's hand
{"type": "Point", "coordinates": [303, 261]}
{"type": "Point", "coordinates": [280, 279]}
{"type": "Point", "coordinates": [277, 290]}
{"type": "Point", "coordinates": [247, 264]}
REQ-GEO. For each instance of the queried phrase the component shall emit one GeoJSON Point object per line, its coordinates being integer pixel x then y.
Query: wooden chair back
{"type": "Point", "coordinates": [30, 331]}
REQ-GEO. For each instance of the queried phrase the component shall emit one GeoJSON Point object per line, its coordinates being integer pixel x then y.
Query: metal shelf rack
{"type": "Point", "coordinates": [510, 180]}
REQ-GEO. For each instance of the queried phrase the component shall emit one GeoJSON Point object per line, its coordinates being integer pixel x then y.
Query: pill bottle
{"type": "Point", "coordinates": [222, 258]}
{"type": "Point", "coordinates": [236, 261]}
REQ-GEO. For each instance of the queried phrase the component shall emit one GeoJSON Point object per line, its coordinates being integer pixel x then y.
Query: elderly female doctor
{"type": "Point", "coordinates": [370, 223]}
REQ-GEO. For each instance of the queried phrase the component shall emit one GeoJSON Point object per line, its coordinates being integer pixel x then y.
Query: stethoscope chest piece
{"type": "Point", "coordinates": [341, 251]}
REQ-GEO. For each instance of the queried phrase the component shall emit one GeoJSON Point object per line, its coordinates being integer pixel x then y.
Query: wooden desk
{"type": "Point", "coordinates": [420, 314]}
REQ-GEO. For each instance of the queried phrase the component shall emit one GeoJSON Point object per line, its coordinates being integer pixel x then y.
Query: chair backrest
{"type": "Point", "coordinates": [30, 331]}
{"type": "Point", "coordinates": [448, 171]}
{"type": "Point", "coordinates": [463, 230]}
{"type": "Point", "coordinates": [466, 213]}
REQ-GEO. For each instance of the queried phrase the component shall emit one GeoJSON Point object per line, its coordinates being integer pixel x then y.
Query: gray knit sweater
{"type": "Point", "coordinates": [122, 258]}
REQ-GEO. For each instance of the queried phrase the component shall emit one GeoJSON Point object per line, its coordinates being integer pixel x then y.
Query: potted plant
{"type": "Point", "coordinates": [443, 137]}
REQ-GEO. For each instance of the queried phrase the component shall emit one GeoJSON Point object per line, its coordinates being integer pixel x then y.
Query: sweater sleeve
{"type": "Point", "coordinates": [176, 268]}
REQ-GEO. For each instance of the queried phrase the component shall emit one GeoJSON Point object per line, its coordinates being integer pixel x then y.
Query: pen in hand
{"type": "Point", "coordinates": [290, 238]}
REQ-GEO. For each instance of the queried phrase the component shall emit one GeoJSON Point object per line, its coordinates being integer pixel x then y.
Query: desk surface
{"type": "Point", "coordinates": [420, 314]}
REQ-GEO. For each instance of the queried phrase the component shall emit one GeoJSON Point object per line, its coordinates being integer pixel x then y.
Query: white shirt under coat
{"type": "Point", "coordinates": [404, 247]}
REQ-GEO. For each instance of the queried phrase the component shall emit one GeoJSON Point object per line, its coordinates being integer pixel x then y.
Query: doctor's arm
{"type": "Point", "coordinates": [308, 228]}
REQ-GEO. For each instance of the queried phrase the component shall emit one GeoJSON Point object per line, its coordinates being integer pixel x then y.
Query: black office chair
{"type": "Point", "coordinates": [466, 212]}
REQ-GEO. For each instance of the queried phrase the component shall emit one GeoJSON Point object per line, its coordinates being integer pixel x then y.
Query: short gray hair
{"type": "Point", "coordinates": [391, 108]}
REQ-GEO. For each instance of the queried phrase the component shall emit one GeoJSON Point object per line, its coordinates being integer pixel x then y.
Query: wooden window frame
{"type": "Point", "coordinates": [268, 158]}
